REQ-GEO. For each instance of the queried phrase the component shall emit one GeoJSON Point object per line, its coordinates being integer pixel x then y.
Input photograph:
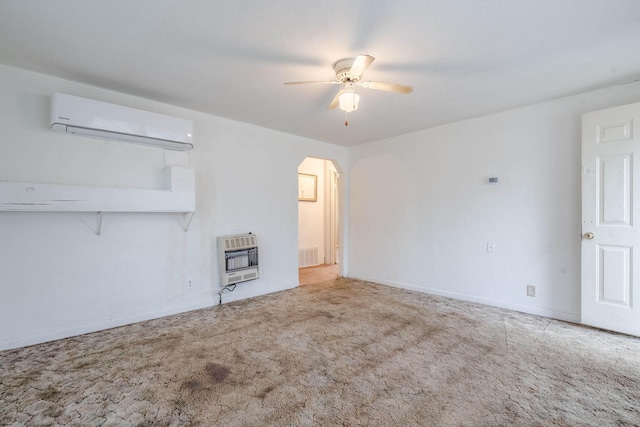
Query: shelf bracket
{"type": "Point", "coordinates": [99, 228]}
{"type": "Point", "coordinates": [188, 216]}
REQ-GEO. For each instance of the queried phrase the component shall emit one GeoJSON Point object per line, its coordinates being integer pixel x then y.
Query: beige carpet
{"type": "Point", "coordinates": [344, 353]}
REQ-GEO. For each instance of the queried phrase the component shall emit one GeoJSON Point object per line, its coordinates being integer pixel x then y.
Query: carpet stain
{"type": "Point", "coordinates": [217, 373]}
{"type": "Point", "coordinates": [192, 385]}
{"type": "Point", "coordinates": [50, 393]}
{"type": "Point", "coordinates": [265, 392]}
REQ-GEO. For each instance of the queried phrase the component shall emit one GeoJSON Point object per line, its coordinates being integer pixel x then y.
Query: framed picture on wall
{"type": "Point", "coordinates": [307, 187]}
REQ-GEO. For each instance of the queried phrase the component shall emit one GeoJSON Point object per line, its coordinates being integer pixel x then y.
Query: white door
{"type": "Point", "coordinates": [610, 219]}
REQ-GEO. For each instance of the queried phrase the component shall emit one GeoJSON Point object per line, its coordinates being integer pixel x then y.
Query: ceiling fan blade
{"type": "Point", "coordinates": [389, 87]}
{"type": "Point", "coordinates": [304, 83]}
{"type": "Point", "coordinates": [336, 101]}
{"type": "Point", "coordinates": [361, 63]}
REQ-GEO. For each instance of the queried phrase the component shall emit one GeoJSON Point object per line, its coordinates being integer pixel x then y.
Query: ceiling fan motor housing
{"type": "Point", "coordinates": [342, 69]}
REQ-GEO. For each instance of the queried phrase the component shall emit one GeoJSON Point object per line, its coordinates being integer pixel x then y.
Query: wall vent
{"type": "Point", "coordinates": [308, 257]}
{"type": "Point", "coordinates": [237, 258]}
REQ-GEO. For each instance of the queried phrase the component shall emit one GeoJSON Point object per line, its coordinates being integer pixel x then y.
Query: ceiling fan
{"type": "Point", "coordinates": [349, 74]}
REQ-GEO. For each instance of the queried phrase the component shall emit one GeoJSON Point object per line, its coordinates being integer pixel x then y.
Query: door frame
{"type": "Point", "coordinates": [335, 238]}
{"type": "Point", "coordinates": [610, 217]}
{"type": "Point", "coordinates": [332, 216]}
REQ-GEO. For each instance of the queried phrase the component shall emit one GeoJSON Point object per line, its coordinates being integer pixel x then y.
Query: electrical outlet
{"type": "Point", "coordinates": [491, 246]}
{"type": "Point", "coordinates": [531, 291]}
{"type": "Point", "coordinates": [189, 284]}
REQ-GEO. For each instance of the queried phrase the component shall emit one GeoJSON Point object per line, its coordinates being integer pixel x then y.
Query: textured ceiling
{"type": "Point", "coordinates": [465, 58]}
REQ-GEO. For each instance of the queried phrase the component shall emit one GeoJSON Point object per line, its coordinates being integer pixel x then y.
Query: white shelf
{"type": "Point", "coordinates": [180, 197]}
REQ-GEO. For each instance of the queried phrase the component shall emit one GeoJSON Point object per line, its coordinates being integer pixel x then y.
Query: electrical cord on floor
{"type": "Point", "coordinates": [229, 288]}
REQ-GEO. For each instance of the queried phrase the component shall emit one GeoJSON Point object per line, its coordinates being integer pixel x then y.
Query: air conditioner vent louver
{"type": "Point", "coordinates": [237, 258]}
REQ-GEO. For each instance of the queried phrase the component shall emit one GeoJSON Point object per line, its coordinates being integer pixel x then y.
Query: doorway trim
{"type": "Point", "coordinates": [334, 214]}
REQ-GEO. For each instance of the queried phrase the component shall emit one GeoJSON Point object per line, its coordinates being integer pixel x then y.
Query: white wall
{"type": "Point", "coordinates": [58, 278]}
{"type": "Point", "coordinates": [311, 223]}
{"type": "Point", "coordinates": [421, 212]}
{"type": "Point", "coordinates": [418, 212]}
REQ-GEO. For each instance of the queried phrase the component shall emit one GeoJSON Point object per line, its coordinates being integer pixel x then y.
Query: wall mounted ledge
{"type": "Point", "coordinates": [180, 197]}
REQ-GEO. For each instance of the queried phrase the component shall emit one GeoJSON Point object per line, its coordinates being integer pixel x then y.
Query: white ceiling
{"type": "Point", "coordinates": [465, 58]}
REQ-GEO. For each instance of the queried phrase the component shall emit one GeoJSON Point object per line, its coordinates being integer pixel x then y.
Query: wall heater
{"type": "Point", "coordinates": [237, 258]}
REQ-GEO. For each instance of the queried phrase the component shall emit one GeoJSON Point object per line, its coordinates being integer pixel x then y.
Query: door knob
{"type": "Point", "coordinates": [589, 235]}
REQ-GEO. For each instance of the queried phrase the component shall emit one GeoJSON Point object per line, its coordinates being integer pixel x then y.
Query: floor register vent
{"type": "Point", "coordinates": [237, 258]}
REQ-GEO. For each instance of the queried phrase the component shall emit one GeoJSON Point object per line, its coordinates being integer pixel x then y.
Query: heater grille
{"type": "Point", "coordinates": [237, 258]}
{"type": "Point", "coordinates": [240, 241]}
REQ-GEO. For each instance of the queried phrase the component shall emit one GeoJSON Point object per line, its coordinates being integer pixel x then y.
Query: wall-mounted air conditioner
{"type": "Point", "coordinates": [88, 117]}
{"type": "Point", "coordinates": [237, 258]}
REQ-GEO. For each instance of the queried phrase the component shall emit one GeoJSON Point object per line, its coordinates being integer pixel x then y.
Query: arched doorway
{"type": "Point", "coordinates": [318, 221]}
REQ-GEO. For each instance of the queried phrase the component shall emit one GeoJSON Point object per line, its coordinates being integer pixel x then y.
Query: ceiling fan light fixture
{"type": "Point", "coordinates": [349, 73]}
{"type": "Point", "coordinates": [349, 101]}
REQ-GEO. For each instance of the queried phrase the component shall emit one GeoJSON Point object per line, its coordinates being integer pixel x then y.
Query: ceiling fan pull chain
{"type": "Point", "coordinates": [346, 118]}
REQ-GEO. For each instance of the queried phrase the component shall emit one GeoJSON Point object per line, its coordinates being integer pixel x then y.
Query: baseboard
{"type": "Point", "coordinates": [100, 326]}
{"type": "Point", "coordinates": [553, 314]}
